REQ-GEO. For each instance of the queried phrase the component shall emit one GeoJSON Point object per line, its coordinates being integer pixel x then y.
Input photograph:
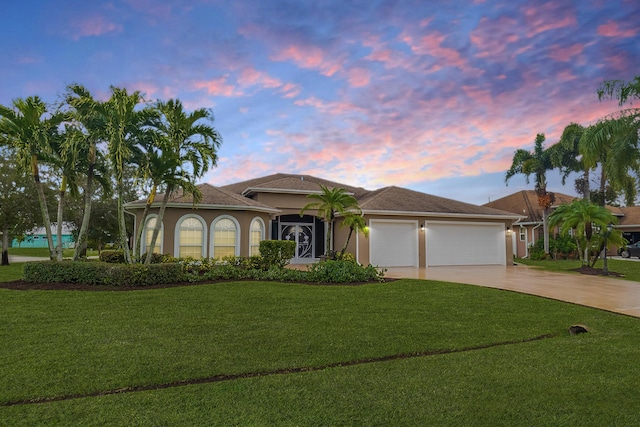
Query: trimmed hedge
{"type": "Point", "coordinates": [276, 253]}
{"type": "Point", "coordinates": [101, 273]}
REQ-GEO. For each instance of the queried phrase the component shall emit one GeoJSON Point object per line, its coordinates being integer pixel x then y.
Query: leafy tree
{"type": "Point", "coordinates": [581, 216]}
{"type": "Point", "coordinates": [535, 163]}
{"type": "Point", "coordinates": [330, 202]}
{"type": "Point", "coordinates": [18, 202]}
{"type": "Point", "coordinates": [189, 143]}
{"type": "Point", "coordinates": [29, 127]}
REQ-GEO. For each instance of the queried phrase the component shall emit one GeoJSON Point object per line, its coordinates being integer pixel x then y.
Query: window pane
{"type": "Point", "coordinates": [224, 238]}
{"type": "Point", "coordinates": [190, 251]}
{"type": "Point", "coordinates": [191, 232]}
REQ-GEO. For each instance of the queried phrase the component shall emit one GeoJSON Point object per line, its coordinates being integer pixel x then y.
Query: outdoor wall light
{"type": "Point", "coordinates": [421, 227]}
{"type": "Point", "coordinates": [508, 231]}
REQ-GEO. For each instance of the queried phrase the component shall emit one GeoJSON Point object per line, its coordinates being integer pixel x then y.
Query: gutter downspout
{"type": "Point", "coordinates": [532, 230]}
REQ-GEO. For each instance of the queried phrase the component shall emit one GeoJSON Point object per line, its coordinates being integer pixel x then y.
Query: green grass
{"type": "Point", "coordinates": [63, 343]}
{"type": "Point", "coordinates": [10, 272]}
{"type": "Point", "coordinates": [630, 269]}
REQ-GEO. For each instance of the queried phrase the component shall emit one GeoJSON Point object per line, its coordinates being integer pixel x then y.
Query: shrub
{"type": "Point", "coordinates": [341, 271]}
{"type": "Point", "coordinates": [101, 273]}
{"type": "Point", "coordinates": [276, 253]}
{"type": "Point", "coordinates": [157, 258]}
{"type": "Point", "coordinates": [112, 256]}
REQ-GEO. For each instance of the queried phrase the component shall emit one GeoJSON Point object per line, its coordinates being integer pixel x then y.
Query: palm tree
{"type": "Point", "coordinates": [581, 216]}
{"type": "Point", "coordinates": [90, 114]}
{"type": "Point", "coordinates": [537, 163]}
{"type": "Point", "coordinates": [29, 127]}
{"type": "Point", "coordinates": [189, 148]}
{"type": "Point", "coordinates": [123, 123]}
{"type": "Point", "coordinates": [330, 202]}
{"type": "Point", "coordinates": [620, 89]}
{"type": "Point", "coordinates": [356, 222]}
{"type": "Point", "coordinates": [565, 155]}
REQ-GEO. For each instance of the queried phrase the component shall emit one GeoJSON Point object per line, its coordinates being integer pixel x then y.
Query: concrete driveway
{"type": "Point", "coordinates": [620, 296]}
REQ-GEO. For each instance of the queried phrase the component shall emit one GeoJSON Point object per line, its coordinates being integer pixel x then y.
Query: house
{"type": "Point", "coordinates": [406, 228]}
{"type": "Point", "coordinates": [37, 238]}
{"type": "Point", "coordinates": [528, 229]}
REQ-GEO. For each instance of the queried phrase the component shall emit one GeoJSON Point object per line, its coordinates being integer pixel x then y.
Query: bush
{"type": "Point", "coordinates": [276, 253]}
{"type": "Point", "coordinates": [101, 273]}
{"type": "Point", "coordinates": [114, 257]}
{"type": "Point", "coordinates": [341, 271]}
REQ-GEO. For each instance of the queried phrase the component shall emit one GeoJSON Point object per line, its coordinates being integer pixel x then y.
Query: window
{"type": "Point", "coordinates": [190, 238]}
{"type": "Point", "coordinates": [225, 235]}
{"type": "Point", "coordinates": [148, 233]}
{"type": "Point", "coordinates": [523, 234]}
{"type": "Point", "coordinates": [256, 235]}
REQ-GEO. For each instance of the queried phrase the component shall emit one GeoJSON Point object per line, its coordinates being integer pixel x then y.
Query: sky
{"type": "Point", "coordinates": [434, 96]}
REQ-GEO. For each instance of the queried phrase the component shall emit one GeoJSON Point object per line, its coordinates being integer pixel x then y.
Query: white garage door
{"type": "Point", "coordinates": [393, 243]}
{"type": "Point", "coordinates": [457, 243]}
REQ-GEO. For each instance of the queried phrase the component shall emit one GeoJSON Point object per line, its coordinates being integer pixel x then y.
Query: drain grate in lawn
{"type": "Point", "coordinates": [285, 371]}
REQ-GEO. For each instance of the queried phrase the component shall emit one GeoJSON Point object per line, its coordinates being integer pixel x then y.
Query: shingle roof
{"type": "Point", "coordinates": [525, 203]}
{"type": "Point", "coordinates": [211, 196]}
{"type": "Point", "coordinates": [397, 199]}
{"type": "Point", "coordinates": [304, 184]}
{"type": "Point", "coordinates": [631, 216]}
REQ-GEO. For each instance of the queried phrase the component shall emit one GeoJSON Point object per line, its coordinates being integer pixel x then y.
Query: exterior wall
{"type": "Point", "coordinates": [173, 215]}
{"type": "Point", "coordinates": [363, 247]}
{"type": "Point", "coordinates": [40, 241]}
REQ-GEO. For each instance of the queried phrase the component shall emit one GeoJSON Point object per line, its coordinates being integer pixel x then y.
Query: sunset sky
{"type": "Point", "coordinates": [430, 95]}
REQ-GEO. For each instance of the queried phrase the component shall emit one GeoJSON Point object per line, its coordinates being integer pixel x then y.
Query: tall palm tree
{"type": "Point", "coordinates": [83, 145]}
{"type": "Point", "coordinates": [535, 163]}
{"type": "Point", "coordinates": [620, 90]}
{"type": "Point", "coordinates": [581, 216]}
{"type": "Point", "coordinates": [329, 202]}
{"type": "Point", "coordinates": [189, 144]}
{"type": "Point", "coordinates": [29, 127]}
{"type": "Point", "coordinates": [565, 155]}
{"type": "Point", "coordinates": [123, 123]}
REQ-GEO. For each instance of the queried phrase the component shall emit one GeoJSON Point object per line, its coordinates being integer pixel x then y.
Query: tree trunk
{"type": "Point", "coordinates": [5, 247]}
{"type": "Point", "coordinates": [122, 227]}
{"type": "Point", "coordinates": [545, 229]}
{"type": "Point", "coordinates": [43, 205]}
{"type": "Point", "coordinates": [344, 249]}
{"type": "Point", "coordinates": [63, 189]}
{"type": "Point", "coordinates": [80, 249]}
{"type": "Point", "coordinates": [138, 248]}
{"type": "Point", "coordinates": [156, 229]}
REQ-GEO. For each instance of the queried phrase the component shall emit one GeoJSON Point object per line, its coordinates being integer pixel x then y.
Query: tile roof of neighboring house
{"type": "Point", "coordinates": [303, 184]}
{"type": "Point", "coordinates": [402, 200]}
{"type": "Point", "coordinates": [211, 196]}
{"type": "Point", "coordinates": [525, 203]}
{"type": "Point", "coordinates": [631, 216]}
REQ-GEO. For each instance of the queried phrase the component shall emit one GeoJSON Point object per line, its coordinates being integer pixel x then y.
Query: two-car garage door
{"type": "Point", "coordinates": [396, 243]}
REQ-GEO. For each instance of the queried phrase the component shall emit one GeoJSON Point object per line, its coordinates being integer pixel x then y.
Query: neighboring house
{"type": "Point", "coordinates": [528, 230]}
{"type": "Point", "coordinates": [37, 238]}
{"type": "Point", "coordinates": [406, 228]}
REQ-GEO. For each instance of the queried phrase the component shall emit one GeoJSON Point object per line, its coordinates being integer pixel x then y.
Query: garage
{"type": "Point", "coordinates": [465, 243]}
{"type": "Point", "coordinates": [393, 243]}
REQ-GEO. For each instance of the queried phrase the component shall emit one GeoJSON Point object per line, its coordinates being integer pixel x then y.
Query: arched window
{"type": "Point", "coordinates": [190, 238]}
{"type": "Point", "coordinates": [225, 238]}
{"type": "Point", "coordinates": [255, 236]}
{"type": "Point", "coordinates": [148, 234]}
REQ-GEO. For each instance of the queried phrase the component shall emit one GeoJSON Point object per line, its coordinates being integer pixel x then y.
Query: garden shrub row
{"type": "Point", "coordinates": [192, 270]}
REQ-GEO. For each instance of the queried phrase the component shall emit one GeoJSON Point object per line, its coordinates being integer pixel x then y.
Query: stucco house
{"type": "Point", "coordinates": [406, 228]}
{"type": "Point", "coordinates": [528, 229]}
{"type": "Point", "coordinates": [37, 238]}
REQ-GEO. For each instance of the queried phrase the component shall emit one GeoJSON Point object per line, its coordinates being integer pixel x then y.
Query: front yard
{"type": "Point", "coordinates": [407, 352]}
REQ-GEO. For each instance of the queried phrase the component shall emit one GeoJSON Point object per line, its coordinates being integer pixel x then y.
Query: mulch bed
{"type": "Point", "coordinates": [585, 269]}
{"type": "Point", "coordinates": [21, 285]}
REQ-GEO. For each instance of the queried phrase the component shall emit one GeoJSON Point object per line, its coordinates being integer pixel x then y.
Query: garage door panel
{"type": "Point", "coordinates": [465, 244]}
{"type": "Point", "coordinates": [394, 243]}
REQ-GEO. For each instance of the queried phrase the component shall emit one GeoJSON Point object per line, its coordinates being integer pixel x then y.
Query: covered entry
{"type": "Point", "coordinates": [393, 243]}
{"type": "Point", "coordinates": [306, 231]}
{"type": "Point", "coordinates": [465, 243]}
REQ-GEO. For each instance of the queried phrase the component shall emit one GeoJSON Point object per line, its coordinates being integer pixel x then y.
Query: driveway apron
{"type": "Point", "coordinates": [617, 295]}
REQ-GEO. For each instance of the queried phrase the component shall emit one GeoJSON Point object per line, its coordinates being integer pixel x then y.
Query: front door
{"type": "Point", "coordinates": [302, 234]}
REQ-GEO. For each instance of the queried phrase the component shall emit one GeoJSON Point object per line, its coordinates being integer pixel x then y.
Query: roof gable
{"type": "Point", "coordinates": [288, 183]}
{"type": "Point", "coordinates": [525, 203]}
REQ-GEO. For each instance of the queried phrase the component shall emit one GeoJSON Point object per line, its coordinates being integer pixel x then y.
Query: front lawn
{"type": "Point", "coordinates": [407, 352]}
{"type": "Point", "coordinates": [630, 269]}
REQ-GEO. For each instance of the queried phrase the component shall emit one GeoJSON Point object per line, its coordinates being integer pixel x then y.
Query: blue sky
{"type": "Point", "coordinates": [431, 95]}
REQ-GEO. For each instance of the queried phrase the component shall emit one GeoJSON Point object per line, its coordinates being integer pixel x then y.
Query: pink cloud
{"type": "Point", "coordinates": [311, 57]}
{"type": "Point", "coordinates": [95, 25]}
{"type": "Point", "coordinates": [359, 77]}
{"type": "Point", "coordinates": [565, 53]}
{"type": "Point", "coordinates": [492, 37]}
{"type": "Point", "coordinates": [217, 87]}
{"type": "Point", "coordinates": [548, 16]}
{"type": "Point", "coordinates": [612, 29]}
